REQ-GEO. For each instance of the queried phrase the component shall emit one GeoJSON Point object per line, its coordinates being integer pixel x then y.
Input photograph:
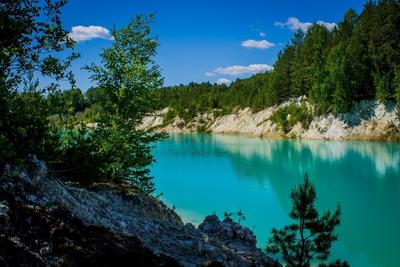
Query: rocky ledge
{"type": "Point", "coordinates": [48, 222]}
{"type": "Point", "coordinates": [367, 120]}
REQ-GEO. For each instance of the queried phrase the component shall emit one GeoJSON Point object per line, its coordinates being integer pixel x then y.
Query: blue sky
{"type": "Point", "coordinates": [204, 40]}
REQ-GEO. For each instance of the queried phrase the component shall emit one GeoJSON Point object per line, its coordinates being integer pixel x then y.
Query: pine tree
{"type": "Point", "coordinates": [339, 79]}
{"type": "Point", "coordinates": [311, 236]}
{"type": "Point", "coordinates": [297, 88]}
{"type": "Point", "coordinates": [382, 85]}
{"type": "Point", "coordinates": [282, 69]}
{"type": "Point", "coordinates": [318, 43]}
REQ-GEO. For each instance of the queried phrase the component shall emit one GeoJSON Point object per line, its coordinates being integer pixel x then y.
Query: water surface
{"type": "Point", "coordinates": [203, 174]}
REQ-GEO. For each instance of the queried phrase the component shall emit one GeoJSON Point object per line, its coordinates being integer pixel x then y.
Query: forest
{"type": "Point", "coordinates": [359, 59]}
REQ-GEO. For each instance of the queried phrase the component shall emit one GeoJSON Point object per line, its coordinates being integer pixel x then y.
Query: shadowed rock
{"type": "Point", "coordinates": [121, 214]}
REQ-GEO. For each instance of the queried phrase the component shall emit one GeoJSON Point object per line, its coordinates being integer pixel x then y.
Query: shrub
{"type": "Point", "coordinates": [74, 155]}
{"type": "Point", "coordinates": [286, 117]}
{"type": "Point", "coordinates": [169, 116]}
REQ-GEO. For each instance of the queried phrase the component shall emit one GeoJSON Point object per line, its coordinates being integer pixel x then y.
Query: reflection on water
{"type": "Point", "coordinates": [201, 174]}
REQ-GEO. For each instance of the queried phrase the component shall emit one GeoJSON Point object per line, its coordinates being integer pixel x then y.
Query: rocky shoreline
{"type": "Point", "coordinates": [368, 120]}
{"type": "Point", "coordinates": [45, 221]}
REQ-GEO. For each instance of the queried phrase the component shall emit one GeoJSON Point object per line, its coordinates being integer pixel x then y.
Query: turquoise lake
{"type": "Point", "coordinates": [202, 174]}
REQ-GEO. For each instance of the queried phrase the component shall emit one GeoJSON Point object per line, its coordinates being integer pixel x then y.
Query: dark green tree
{"type": "Point", "coordinates": [339, 79]}
{"type": "Point", "coordinates": [282, 82]}
{"type": "Point", "coordinates": [383, 86]}
{"type": "Point", "coordinates": [32, 32]}
{"type": "Point", "coordinates": [296, 74]}
{"type": "Point", "coordinates": [318, 42]}
{"type": "Point", "coordinates": [311, 236]}
{"type": "Point", "coordinates": [360, 63]}
{"type": "Point", "coordinates": [380, 20]}
{"type": "Point", "coordinates": [32, 36]}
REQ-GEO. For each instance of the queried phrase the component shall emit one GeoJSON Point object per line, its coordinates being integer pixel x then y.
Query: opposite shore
{"type": "Point", "coordinates": [368, 120]}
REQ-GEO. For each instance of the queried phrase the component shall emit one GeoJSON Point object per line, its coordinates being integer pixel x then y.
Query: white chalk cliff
{"type": "Point", "coordinates": [367, 120]}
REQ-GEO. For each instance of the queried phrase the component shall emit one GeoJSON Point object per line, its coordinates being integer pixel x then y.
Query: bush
{"type": "Point", "coordinates": [286, 117]}
{"type": "Point", "coordinates": [23, 125]}
{"type": "Point", "coordinates": [187, 114]}
{"type": "Point", "coordinates": [169, 116]}
{"type": "Point", "coordinates": [75, 155]}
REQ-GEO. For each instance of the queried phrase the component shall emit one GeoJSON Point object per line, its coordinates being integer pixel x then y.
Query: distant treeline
{"type": "Point", "coordinates": [359, 59]}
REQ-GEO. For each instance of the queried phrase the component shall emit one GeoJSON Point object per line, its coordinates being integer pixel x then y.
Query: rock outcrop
{"type": "Point", "coordinates": [368, 120]}
{"type": "Point", "coordinates": [32, 235]}
{"type": "Point", "coordinates": [50, 222]}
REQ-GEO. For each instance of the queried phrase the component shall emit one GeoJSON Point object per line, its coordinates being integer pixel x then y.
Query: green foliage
{"type": "Point", "coordinates": [397, 84]}
{"type": "Point", "coordinates": [70, 108]}
{"type": "Point", "coordinates": [202, 128]}
{"type": "Point", "coordinates": [23, 123]}
{"type": "Point", "coordinates": [128, 76]}
{"type": "Point", "coordinates": [34, 31]}
{"type": "Point", "coordinates": [317, 44]}
{"type": "Point", "coordinates": [66, 102]}
{"type": "Point", "coordinates": [380, 21]}
{"type": "Point", "coordinates": [339, 79]}
{"type": "Point", "coordinates": [74, 155]}
{"type": "Point", "coordinates": [312, 235]}
{"type": "Point", "coordinates": [169, 116]}
{"type": "Point", "coordinates": [188, 100]}
{"type": "Point", "coordinates": [188, 114]}
{"type": "Point", "coordinates": [382, 85]}
{"type": "Point", "coordinates": [286, 117]}
{"type": "Point", "coordinates": [31, 33]}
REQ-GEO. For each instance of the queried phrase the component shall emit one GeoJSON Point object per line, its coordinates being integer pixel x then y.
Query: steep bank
{"type": "Point", "coordinates": [47, 222]}
{"type": "Point", "coordinates": [368, 120]}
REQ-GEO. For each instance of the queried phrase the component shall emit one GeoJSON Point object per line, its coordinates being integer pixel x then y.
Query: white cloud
{"type": "Point", "coordinates": [224, 81]}
{"type": "Point", "coordinates": [210, 74]}
{"type": "Point", "coordinates": [294, 24]}
{"type": "Point", "coordinates": [239, 70]}
{"type": "Point", "coordinates": [262, 34]}
{"type": "Point", "coordinates": [329, 25]}
{"type": "Point", "coordinates": [85, 33]}
{"type": "Point", "coordinates": [262, 44]}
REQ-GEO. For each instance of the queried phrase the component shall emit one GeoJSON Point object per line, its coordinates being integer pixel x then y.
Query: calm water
{"type": "Point", "coordinates": [203, 174]}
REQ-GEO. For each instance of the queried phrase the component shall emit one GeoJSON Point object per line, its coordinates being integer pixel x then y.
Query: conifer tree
{"type": "Point", "coordinates": [311, 236]}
